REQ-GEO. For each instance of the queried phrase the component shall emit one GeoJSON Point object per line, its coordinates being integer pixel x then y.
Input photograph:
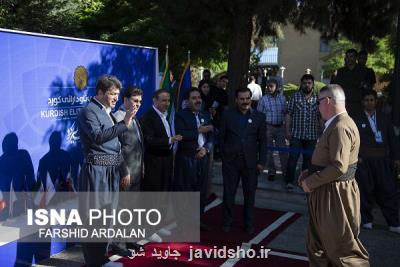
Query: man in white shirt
{"type": "Point", "coordinates": [158, 142]}
{"type": "Point", "coordinates": [256, 92]}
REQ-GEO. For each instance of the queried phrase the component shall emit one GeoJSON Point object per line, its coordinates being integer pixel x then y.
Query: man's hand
{"type": "Point", "coordinates": [212, 111]}
{"type": "Point", "coordinates": [205, 129]}
{"type": "Point", "coordinates": [200, 152]}
{"type": "Point", "coordinates": [175, 139]}
{"type": "Point", "coordinates": [302, 176]}
{"type": "Point", "coordinates": [126, 181]}
{"type": "Point", "coordinates": [305, 187]}
{"type": "Point", "coordinates": [130, 113]}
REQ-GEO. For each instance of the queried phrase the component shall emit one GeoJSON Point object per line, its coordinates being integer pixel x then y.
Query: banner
{"type": "Point", "coordinates": [46, 80]}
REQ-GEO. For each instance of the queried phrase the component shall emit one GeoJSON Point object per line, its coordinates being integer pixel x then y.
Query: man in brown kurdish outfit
{"type": "Point", "coordinates": [334, 198]}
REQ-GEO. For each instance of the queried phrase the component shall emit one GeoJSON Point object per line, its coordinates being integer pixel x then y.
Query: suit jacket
{"type": "Point", "coordinates": [336, 149]}
{"type": "Point", "coordinates": [369, 148]}
{"type": "Point", "coordinates": [250, 141]}
{"type": "Point", "coordinates": [132, 147]}
{"type": "Point", "coordinates": [99, 135]}
{"type": "Point", "coordinates": [186, 125]}
{"type": "Point", "coordinates": [156, 141]}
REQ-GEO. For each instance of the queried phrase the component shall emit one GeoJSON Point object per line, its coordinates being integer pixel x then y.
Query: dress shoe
{"type": "Point", "coordinates": [394, 229]}
{"type": "Point", "coordinates": [117, 249]}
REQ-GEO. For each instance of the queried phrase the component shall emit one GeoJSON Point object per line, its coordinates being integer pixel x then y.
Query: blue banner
{"type": "Point", "coordinates": [46, 80]}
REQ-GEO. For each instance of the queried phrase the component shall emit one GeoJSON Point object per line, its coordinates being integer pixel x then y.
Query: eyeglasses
{"type": "Point", "coordinates": [322, 98]}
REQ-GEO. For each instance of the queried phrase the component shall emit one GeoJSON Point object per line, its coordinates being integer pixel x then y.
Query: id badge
{"type": "Point", "coordinates": [378, 137]}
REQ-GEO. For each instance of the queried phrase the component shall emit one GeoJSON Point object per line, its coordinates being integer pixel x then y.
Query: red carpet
{"type": "Point", "coordinates": [269, 223]}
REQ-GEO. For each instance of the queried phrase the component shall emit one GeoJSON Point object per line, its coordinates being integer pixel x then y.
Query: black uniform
{"type": "Point", "coordinates": [375, 175]}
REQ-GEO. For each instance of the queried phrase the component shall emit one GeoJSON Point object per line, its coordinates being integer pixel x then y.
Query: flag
{"type": "Point", "coordinates": [185, 84]}
{"type": "Point", "coordinates": [165, 84]}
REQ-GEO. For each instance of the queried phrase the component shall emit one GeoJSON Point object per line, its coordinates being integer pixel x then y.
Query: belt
{"type": "Point", "coordinates": [104, 159]}
{"type": "Point", "coordinates": [349, 175]}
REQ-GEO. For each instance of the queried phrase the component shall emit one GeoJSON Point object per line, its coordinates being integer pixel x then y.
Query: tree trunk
{"type": "Point", "coordinates": [239, 51]}
{"type": "Point", "coordinates": [396, 82]}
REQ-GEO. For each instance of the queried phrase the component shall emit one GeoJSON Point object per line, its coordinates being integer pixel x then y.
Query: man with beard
{"type": "Point", "coordinates": [334, 197]}
{"type": "Point", "coordinates": [244, 151]}
{"type": "Point", "coordinates": [191, 161]}
{"type": "Point", "coordinates": [273, 105]}
{"type": "Point", "coordinates": [302, 127]}
{"type": "Point", "coordinates": [352, 78]}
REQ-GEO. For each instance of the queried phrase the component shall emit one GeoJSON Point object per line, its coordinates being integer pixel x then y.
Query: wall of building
{"type": "Point", "coordinates": [298, 52]}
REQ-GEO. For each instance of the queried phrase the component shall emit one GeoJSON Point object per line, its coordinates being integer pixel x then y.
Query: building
{"type": "Point", "coordinates": [296, 52]}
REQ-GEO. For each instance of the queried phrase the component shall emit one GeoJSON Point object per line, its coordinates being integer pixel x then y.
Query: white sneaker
{"type": "Point", "coordinates": [367, 226]}
{"type": "Point", "coordinates": [394, 229]}
{"type": "Point", "coordinates": [112, 264]}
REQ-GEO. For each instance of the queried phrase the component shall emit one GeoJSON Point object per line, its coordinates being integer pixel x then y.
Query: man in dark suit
{"type": "Point", "coordinates": [158, 143]}
{"type": "Point", "coordinates": [133, 154]}
{"type": "Point", "coordinates": [244, 151]}
{"type": "Point", "coordinates": [379, 151]}
{"type": "Point", "coordinates": [101, 170]}
{"type": "Point", "coordinates": [191, 161]}
{"type": "Point", "coordinates": [132, 140]}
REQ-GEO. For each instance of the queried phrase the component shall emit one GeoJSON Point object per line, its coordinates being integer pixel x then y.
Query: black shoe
{"type": "Point", "coordinates": [249, 229]}
{"type": "Point", "coordinates": [203, 227]}
{"type": "Point", "coordinates": [134, 246]}
{"type": "Point", "coordinates": [271, 177]}
{"type": "Point", "coordinates": [117, 249]}
{"type": "Point", "coordinates": [226, 228]}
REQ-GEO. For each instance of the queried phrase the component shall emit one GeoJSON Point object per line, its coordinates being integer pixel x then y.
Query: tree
{"type": "Point", "coordinates": [52, 17]}
{"type": "Point", "coordinates": [381, 60]}
{"type": "Point", "coordinates": [214, 30]}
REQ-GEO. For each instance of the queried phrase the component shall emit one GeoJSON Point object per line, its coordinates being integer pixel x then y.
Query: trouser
{"type": "Point", "coordinates": [296, 145]}
{"type": "Point", "coordinates": [232, 172]}
{"type": "Point", "coordinates": [375, 179]}
{"type": "Point", "coordinates": [276, 138]}
{"type": "Point", "coordinates": [191, 174]}
{"type": "Point", "coordinates": [334, 226]}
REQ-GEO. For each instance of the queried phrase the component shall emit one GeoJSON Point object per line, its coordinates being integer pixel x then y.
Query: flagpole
{"type": "Point", "coordinates": [166, 55]}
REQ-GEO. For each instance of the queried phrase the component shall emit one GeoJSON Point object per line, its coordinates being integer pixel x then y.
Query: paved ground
{"type": "Point", "coordinates": [382, 245]}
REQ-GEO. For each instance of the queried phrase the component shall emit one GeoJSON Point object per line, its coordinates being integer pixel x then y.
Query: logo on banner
{"type": "Point", "coordinates": [72, 134]}
{"type": "Point", "coordinates": [80, 77]}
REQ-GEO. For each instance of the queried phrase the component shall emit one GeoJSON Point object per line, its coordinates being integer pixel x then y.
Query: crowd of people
{"type": "Point", "coordinates": [124, 153]}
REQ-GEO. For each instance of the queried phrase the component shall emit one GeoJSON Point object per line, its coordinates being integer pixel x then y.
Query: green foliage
{"type": "Point", "coordinates": [335, 58]}
{"type": "Point", "coordinates": [381, 60]}
{"type": "Point", "coordinates": [318, 85]}
{"type": "Point", "coordinates": [290, 88]}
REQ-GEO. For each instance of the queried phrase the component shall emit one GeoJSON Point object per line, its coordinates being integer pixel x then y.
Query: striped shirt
{"type": "Point", "coordinates": [305, 116]}
{"type": "Point", "coordinates": [274, 108]}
